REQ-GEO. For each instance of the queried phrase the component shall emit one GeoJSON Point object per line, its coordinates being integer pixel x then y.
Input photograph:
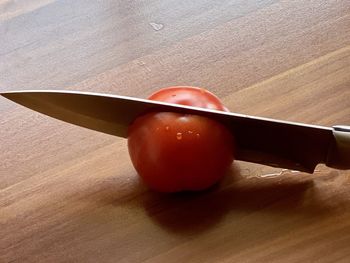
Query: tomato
{"type": "Point", "coordinates": [190, 96]}
{"type": "Point", "coordinates": [180, 152]}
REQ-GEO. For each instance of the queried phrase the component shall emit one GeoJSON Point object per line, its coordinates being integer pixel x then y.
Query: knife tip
{"type": "Point", "coordinates": [9, 92]}
{"type": "Point", "coordinates": [5, 93]}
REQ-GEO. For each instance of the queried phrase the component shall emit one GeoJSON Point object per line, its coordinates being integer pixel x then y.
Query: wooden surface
{"type": "Point", "coordinates": [71, 195]}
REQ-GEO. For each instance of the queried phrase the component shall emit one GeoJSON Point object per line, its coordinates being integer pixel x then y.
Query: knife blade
{"type": "Point", "coordinates": [260, 140]}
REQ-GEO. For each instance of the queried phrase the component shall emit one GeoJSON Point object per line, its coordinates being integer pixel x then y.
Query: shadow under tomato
{"type": "Point", "coordinates": [234, 197]}
{"type": "Point", "coordinates": [192, 213]}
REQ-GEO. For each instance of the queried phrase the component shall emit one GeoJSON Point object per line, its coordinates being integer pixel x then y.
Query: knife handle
{"type": "Point", "coordinates": [339, 152]}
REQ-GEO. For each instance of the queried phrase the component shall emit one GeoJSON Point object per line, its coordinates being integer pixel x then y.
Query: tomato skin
{"type": "Point", "coordinates": [175, 152]}
{"type": "Point", "coordinates": [190, 96]}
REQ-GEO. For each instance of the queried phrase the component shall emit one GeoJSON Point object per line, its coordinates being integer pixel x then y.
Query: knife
{"type": "Point", "coordinates": [260, 140]}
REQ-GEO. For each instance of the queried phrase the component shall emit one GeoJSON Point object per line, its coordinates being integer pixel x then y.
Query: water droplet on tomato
{"type": "Point", "coordinates": [190, 132]}
{"type": "Point", "coordinates": [198, 135]}
{"type": "Point", "coordinates": [167, 128]}
{"type": "Point", "coordinates": [179, 136]}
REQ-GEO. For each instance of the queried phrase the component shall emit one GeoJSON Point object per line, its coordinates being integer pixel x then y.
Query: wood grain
{"type": "Point", "coordinates": [71, 195]}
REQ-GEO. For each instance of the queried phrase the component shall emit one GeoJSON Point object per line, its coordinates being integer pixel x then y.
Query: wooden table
{"type": "Point", "coordinates": [71, 195]}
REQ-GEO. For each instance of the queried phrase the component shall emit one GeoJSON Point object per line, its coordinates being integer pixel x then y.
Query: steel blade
{"type": "Point", "coordinates": [261, 140]}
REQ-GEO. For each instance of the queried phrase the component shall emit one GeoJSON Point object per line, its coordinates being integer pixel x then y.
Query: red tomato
{"type": "Point", "coordinates": [180, 152]}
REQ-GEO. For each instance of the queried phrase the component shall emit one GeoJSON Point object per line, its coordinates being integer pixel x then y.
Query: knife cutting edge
{"type": "Point", "coordinates": [266, 141]}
